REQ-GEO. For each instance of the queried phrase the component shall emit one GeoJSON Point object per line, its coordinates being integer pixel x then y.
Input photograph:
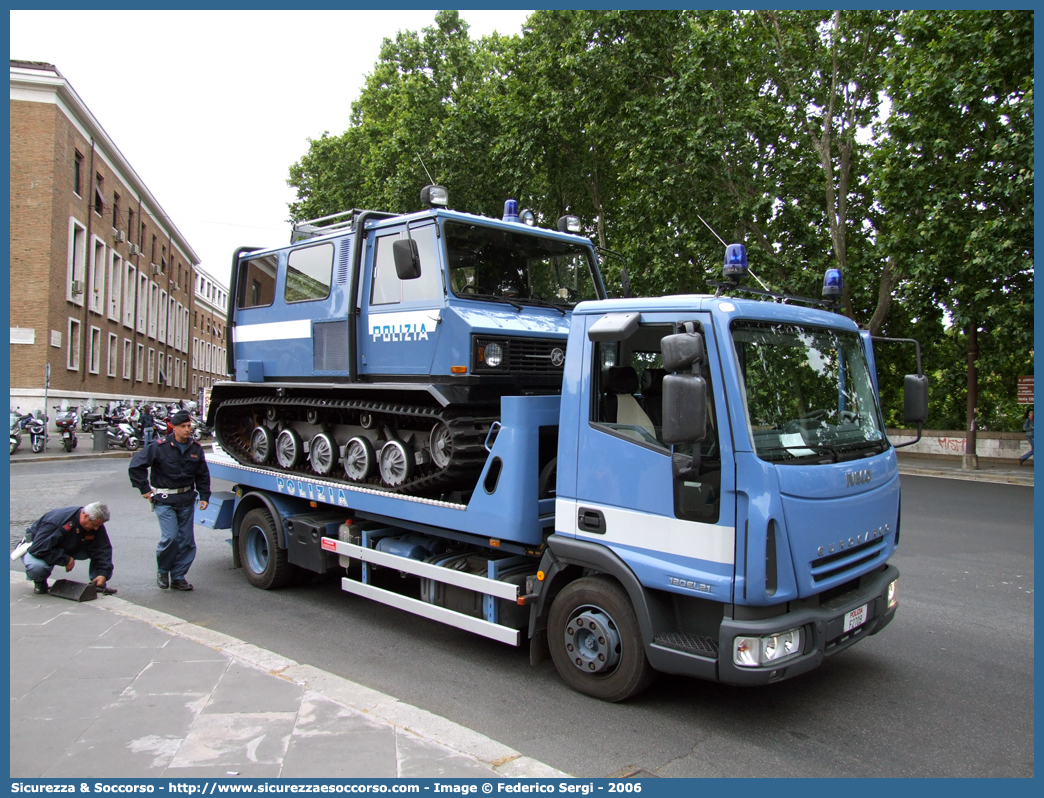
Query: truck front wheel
{"type": "Point", "coordinates": [265, 563]}
{"type": "Point", "coordinates": [595, 641]}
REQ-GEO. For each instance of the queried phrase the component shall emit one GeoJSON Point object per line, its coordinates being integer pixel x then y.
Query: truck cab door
{"type": "Point", "coordinates": [676, 533]}
{"type": "Point", "coordinates": [399, 319]}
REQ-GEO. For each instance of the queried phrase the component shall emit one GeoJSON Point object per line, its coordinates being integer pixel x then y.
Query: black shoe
{"type": "Point", "coordinates": [180, 584]}
{"type": "Point", "coordinates": [163, 580]}
{"type": "Point", "coordinates": [40, 587]}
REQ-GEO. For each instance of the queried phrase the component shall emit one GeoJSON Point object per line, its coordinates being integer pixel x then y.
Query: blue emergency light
{"type": "Point", "coordinates": [735, 261]}
{"type": "Point", "coordinates": [510, 210]}
{"type": "Point", "coordinates": [833, 286]}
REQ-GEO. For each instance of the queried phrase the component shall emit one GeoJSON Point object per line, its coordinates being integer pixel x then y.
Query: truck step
{"type": "Point", "coordinates": [689, 643]}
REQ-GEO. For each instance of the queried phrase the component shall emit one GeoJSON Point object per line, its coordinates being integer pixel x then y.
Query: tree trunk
{"type": "Point", "coordinates": [971, 459]}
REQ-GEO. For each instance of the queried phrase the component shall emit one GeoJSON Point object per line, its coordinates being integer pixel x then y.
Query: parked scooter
{"type": "Point", "coordinates": [65, 420]}
{"type": "Point", "coordinates": [16, 430]}
{"type": "Point", "coordinates": [121, 433]}
{"type": "Point", "coordinates": [37, 429]}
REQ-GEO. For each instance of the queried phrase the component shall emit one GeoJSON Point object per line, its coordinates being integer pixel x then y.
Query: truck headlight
{"type": "Point", "coordinates": [893, 593]}
{"type": "Point", "coordinates": [753, 652]}
{"type": "Point", "coordinates": [491, 354]}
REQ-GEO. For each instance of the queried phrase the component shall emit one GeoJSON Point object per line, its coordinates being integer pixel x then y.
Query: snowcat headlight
{"type": "Point", "coordinates": [435, 195]}
{"type": "Point", "coordinates": [527, 217]}
{"type": "Point", "coordinates": [753, 652]}
{"type": "Point", "coordinates": [893, 593]}
{"type": "Point", "coordinates": [491, 354]}
{"type": "Point", "coordinates": [569, 224]}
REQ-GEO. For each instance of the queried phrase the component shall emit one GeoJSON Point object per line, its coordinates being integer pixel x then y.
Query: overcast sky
{"type": "Point", "coordinates": [211, 108]}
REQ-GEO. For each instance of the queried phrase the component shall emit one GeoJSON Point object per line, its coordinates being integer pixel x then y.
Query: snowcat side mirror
{"type": "Point", "coordinates": [684, 395]}
{"type": "Point", "coordinates": [915, 399]}
{"type": "Point", "coordinates": [407, 259]}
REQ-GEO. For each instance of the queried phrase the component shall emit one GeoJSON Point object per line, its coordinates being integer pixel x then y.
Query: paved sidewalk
{"type": "Point", "coordinates": [109, 689]}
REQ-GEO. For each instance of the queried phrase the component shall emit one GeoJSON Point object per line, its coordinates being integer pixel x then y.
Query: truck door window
{"type": "Point", "coordinates": [257, 278]}
{"type": "Point", "coordinates": [388, 289]}
{"type": "Point", "coordinates": [308, 273]}
{"type": "Point", "coordinates": [627, 402]}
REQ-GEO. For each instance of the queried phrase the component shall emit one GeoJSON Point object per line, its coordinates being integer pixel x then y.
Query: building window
{"type": "Point", "coordinates": [184, 331]}
{"type": "Point", "coordinates": [78, 174]}
{"type": "Point", "coordinates": [152, 364]}
{"type": "Point", "coordinates": [193, 383]}
{"type": "Point", "coordinates": [115, 284]}
{"type": "Point", "coordinates": [143, 300]}
{"type": "Point", "coordinates": [140, 363]}
{"type": "Point", "coordinates": [184, 373]}
{"type": "Point", "coordinates": [195, 353]}
{"type": "Point", "coordinates": [97, 300]}
{"type": "Point", "coordinates": [129, 284]}
{"type": "Point", "coordinates": [130, 225]}
{"type": "Point", "coordinates": [172, 317]}
{"type": "Point", "coordinates": [152, 254]}
{"type": "Point", "coordinates": [94, 352]}
{"type": "Point", "coordinates": [153, 304]}
{"type": "Point", "coordinates": [99, 195]}
{"type": "Point", "coordinates": [72, 361]}
{"type": "Point", "coordinates": [115, 211]}
{"type": "Point", "coordinates": [161, 317]}
{"type": "Point", "coordinates": [126, 358]}
{"type": "Point", "coordinates": [170, 366]}
{"type": "Point", "coordinates": [113, 355]}
{"type": "Point", "coordinates": [77, 262]}
{"type": "Point", "coordinates": [177, 372]}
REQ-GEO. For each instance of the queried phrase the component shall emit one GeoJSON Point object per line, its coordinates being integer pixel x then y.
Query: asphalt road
{"type": "Point", "coordinates": [945, 690]}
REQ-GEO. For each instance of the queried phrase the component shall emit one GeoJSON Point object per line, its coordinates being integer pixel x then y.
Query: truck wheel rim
{"type": "Point", "coordinates": [321, 453]}
{"type": "Point", "coordinates": [441, 445]}
{"type": "Point", "coordinates": [395, 463]}
{"type": "Point", "coordinates": [358, 459]}
{"type": "Point", "coordinates": [257, 549]}
{"type": "Point", "coordinates": [592, 641]}
{"type": "Point", "coordinates": [260, 444]}
{"type": "Point", "coordinates": [288, 448]}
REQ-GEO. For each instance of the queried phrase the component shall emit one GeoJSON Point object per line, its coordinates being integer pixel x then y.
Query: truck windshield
{"type": "Point", "coordinates": [808, 392]}
{"type": "Point", "coordinates": [517, 267]}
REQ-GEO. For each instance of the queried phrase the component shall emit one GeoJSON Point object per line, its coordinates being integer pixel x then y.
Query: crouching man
{"type": "Point", "coordinates": [63, 536]}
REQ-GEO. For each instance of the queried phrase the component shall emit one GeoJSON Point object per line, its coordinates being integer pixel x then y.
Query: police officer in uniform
{"type": "Point", "coordinates": [63, 536]}
{"type": "Point", "coordinates": [170, 473]}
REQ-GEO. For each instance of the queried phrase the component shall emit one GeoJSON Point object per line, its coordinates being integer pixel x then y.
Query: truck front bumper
{"type": "Point", "coordinates": [822, 631]}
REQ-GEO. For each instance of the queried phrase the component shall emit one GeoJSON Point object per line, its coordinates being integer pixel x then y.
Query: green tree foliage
{"type": "Point", "coordinates": [895, 145]}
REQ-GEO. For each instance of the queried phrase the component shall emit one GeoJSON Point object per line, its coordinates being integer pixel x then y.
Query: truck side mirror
{"type": "Point", "coordinates": [407, 259]}
{"type": "Point", "coordinates": [684, 409]}
{"type": "Point", "coordinates": [915, 399]}
{"type": "Point", "coordinates": [684, 398]}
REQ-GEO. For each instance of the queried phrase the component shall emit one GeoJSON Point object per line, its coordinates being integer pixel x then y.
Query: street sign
{"type": "Point", "coordinates": [1025, 391]}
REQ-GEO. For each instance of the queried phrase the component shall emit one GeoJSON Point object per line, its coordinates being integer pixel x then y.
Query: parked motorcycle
{"type": "Point", "coordinates": [16, 430]}
{"type": "Point", "coordinates": [65, 420]}
{"type": "Point", "coordinates": [121, 433]}
{"type": "Point", "coordinates": [37, 429]}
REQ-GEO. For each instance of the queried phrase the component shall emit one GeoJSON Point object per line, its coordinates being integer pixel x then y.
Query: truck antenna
{"type": "Point", "coordinates": [430, 178]}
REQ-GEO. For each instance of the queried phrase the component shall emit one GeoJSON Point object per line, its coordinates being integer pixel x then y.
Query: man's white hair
{"type": "Point", "coordinates": [97, 511]}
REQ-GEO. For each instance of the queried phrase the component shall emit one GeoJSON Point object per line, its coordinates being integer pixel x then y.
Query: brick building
{"type": "Point", "coordinates": [104, 288]}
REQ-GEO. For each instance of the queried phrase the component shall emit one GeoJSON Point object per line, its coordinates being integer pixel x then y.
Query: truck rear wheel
{"type": "Point", "coordinates": [265, 564]}
{"type": "Point", "coordinates": [595, 641]}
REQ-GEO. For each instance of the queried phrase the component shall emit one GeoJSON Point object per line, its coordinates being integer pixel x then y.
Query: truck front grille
{"type": "Point", "coordinates": [848, 561]}
{"type": "Point", "coordinates": [523, 355]}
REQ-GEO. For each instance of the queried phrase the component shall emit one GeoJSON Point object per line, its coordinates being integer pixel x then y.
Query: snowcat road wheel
{"type": "Point", "coordinates": [265, 564]}
{"type": "Point", "coordinates": [441, 444]}
{"type": "Point", "coordinates": [322, 454]}
{"type": "Point", "coordinates": [396, 464]}
{"type": "Point", "coordinates": [312, 416]}
{"type": "Point", "coordinates": [288, 448]}
{"type": "Point", "coordinates": [367, 420]}
{"type": "Point", "coordinates": [359, 458]}
{"type": "Point", "coordinates": [271, 414]}
{"type": "Point", "coordinates": [595, 641]}
{"type": "Point", "coordinates": [260, 444]}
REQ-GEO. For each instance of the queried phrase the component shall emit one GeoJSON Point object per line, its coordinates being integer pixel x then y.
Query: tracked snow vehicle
{"type": "Point", "coordinates": [375, 348]}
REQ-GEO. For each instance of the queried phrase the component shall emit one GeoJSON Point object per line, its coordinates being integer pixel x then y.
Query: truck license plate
{"type": "Point", "coordinates": [856, 617]}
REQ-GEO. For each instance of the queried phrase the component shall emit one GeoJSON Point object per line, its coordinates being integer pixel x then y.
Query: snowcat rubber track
{"type": "Point", "coordinates": [235, 420]}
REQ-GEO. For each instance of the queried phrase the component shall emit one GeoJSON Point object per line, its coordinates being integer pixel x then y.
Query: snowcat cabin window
{"type": "Point", "coordinates": [388, 289]}
{"type": "Point", "coordinates": [808, 392]}
{"type": "Point", "coordinates": [257, 278]}
{"type": "Point", "coordinates": [309, 273]}
{"type": "Point", "coordinates": [496, 264]}
{"type": "Point", "coordinates": [627, 402]}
